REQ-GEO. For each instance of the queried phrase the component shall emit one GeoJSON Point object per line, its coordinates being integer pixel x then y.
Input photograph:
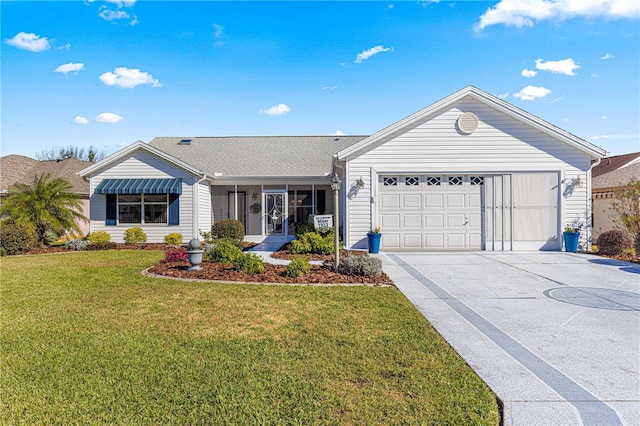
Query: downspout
{"type": "Point", "coordinates": [196, 203]}
{"type": "Point", "coordinates": [589, 205]}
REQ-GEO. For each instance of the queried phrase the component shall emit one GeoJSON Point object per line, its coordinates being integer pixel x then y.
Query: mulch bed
{"type": "Point", "coordinates": [284, 253]}
{"type": "Point", "coordinates": [319, 275]}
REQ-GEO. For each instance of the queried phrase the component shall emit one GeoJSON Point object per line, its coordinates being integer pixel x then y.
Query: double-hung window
{"type": "Point", "coordinates": [143, 208]}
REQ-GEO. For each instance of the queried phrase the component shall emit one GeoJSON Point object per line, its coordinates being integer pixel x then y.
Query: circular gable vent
{"type": "Point", "coordinates": [468, 122]}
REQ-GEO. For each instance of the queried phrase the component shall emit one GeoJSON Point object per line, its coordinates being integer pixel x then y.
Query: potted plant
{"type": "Point", "coordinates": [374, 240]}
{"type": "Point", "coordinates": [571, 238]}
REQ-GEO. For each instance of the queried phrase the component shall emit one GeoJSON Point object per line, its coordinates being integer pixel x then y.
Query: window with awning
{"type": "Point", "coordinates": [141, 201]}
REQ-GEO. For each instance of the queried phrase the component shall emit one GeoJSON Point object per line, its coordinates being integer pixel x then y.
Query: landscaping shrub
{"type": "Point", "coordinates": [175, 254]}
{"type": "Point", "coordinates": [173, 239]}
{"type": "Point", "coordinates": [15, 239]}
{"type": "Point", "coordinates": [636, 246]}
{"type": "Point", "coordinates": [99, 237]}
{"type": "Point", "coordinates": [363, 265]}
{"type": "Point", "coordinates": [303, 228]}
{"type": "Point", "coordinates": [314, 243]}
{"type": "Point", "coordinates": [224, 252]}
{"type": "Point", "coordinates": [76, 244]}
{"type": "Point", "coordinates": [50, 236]}
{"type": "Point", "coordinates": [299, 265]}
{"type": "Point", "coordinates": [3, 251]}
{"type": "Point", "coordinates": [614, 242]}
{"type": "Point", "coordinates": [102, 246]}
{"type": "Point", "coordinates": [228, 229]}
{"type": "Point", "coordinates": [249, 263]}
{"type": "Point", "coordinates": [135, 236]}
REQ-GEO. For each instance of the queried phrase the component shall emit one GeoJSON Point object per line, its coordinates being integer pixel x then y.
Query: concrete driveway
{"type": "Point", "coordinates": [555, 335]}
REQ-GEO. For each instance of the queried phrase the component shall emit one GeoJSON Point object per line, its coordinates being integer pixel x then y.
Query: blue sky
{"type": "Point", "coordinates": [109, 73]}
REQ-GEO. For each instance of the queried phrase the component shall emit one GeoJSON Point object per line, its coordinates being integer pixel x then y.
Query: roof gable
{"type": "Point", "coordinates": [126, 152]}
{"type": "Point", "coordinates": [442, 105]}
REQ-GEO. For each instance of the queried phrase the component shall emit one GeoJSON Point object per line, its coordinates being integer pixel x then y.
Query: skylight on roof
{"type": "Point", "coordinates": [184, 142]}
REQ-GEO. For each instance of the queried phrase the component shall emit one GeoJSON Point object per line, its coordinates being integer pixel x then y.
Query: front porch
{"type": "Point", "coordinates": [271, 212]}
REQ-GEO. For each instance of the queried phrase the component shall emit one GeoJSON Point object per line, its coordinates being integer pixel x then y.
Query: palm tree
{"type": "Point", "coordinates": [46, 204]}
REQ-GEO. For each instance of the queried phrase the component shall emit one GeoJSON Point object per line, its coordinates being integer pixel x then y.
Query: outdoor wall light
{"type": "Point", "coordinates": [335, 183]}
{"type": "Point", "coordinates": [360, 183]}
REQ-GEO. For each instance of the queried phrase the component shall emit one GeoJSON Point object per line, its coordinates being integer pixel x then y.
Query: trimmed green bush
{"type": "Point", "coordinates": [363, 265]}
{"type": "Point", "coordinates": [303, 228]}
{"type": "Point", "coordinates": [99, 237]}
{"type": "Point", "coordinates": [173, 239]}
{"type": "Point", "coordinates": [314, 242]}
{"type": "Point", "coordinates": [228, 229]}
{"type": "Point", "coordinates": [299, 265]}
{"type": "Point", "coordinates": [249, 263]}
{"type": "Point", "coordinates": [15, 239]}
{"type": "Point", "coordinates": [50, 236]}
{"type": "Point", "coordinates": [224, 252]}
{"type": "Point", "coordinates": [135, 236]}
{"type": "Point", "coordinates": [614, 242]}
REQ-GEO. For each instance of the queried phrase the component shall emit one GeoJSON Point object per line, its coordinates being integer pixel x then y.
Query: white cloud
{"type": "Point", "coordinates": [329, 87]}
{"type": "Point", "coordinates": [128, 78]}
{"type": "Point", "coordinates": [504, 95]}
{"type": "Point", "coordinates": [426, 3]}
{"type": "Point", "coordinates": [73, 67]}
{"type": "Point", "coordinates": [594, 75]}
{"type": "Point", "coordinates": [607, 56]}
{"type": "Point", "coordinates": [604, 117]}
{"type": "Point", "coordinates": [276, 110]}
{"type": "Point", "coordinates": [564, 66]}
{"type": "Point", "coordinates": [108, 117]}
{"type": "Point", "coordinates": [366, 54]}
{"type": "Point", "coordinates": [29, 41]}
{"type": "Point", "coordinates": [80, 120]}
{"type": "Point", "coordinates": [390, 6]}
{"type": "Point", "coordinates": [112, 15]}
{"type": "Point", "coordinates": [218, 31]}
{"type": "Point", "coordinates": [531, 93]}
{"type": "Point", "coordinates": [339, 133]}
{"type": "Point", "coordinates": [122, 3]}
{"type": "Point", "coordinates": [528, 73]}
{"type": "Point", "coordinates": [65, 47]}
{"type": "Point", "coordinates": [595, 138]}
{"type": "Point", "coordinates": [524, 13]}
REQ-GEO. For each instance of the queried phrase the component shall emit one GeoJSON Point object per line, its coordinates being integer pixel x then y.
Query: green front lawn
{"type": "Point", "coordinates": [86, 339]}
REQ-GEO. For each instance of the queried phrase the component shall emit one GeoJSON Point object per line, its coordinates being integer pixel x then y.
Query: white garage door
{"type": "Point", "coordinates": [421, 212]}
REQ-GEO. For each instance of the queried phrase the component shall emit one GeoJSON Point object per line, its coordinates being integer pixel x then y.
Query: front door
{"type": "Point", "coordinates": [275, 213]}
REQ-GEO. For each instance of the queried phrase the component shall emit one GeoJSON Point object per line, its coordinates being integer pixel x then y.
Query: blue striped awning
{"type": "Point", "coordinates": [140, 186]}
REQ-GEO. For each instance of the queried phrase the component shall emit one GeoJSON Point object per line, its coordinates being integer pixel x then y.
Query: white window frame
{"type": "Point", "coordinates": [142, 204]}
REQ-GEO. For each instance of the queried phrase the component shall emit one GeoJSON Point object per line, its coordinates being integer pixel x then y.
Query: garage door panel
{"type": "Point", "coordinates": [434, 201]}
{"type": "Point", "coordinates": [475, 220]}
{"type": "Point", "coordinates": [434, 220]}
{"type": "Point", "coordinates": [411, 201]}
{"type": "Point", "coordinates": [475, 200]}
{"type": "Point", "coordinates": [475, 240]}
{"type": "Point", "coordinates": [412, 241]}
{"type": "Point", "coordinates": [455, 201]}
{"type": "Point", "coordinates": [412, 220]}
{"type": "Point", "coordinates": [390, 201]}
{"type": "Point", "coordinates": [390, 221]}
{"type": "Point", "coordinates": [434, 241]}
{"type": "Point", "coordinates": [456, 241]}
{"type": "Point", "coordinates": [456, 220]}
{"type": "Point", "coordinates": [390, 241]}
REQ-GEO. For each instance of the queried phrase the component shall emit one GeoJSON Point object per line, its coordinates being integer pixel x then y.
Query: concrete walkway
{"type": "Point", "coordinates": [555, 335]}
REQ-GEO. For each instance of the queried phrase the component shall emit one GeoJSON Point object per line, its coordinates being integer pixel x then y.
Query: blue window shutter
{"type": "Point", "coordinates": [112, 210]}
{"type": "Point", "coordinates": [174, 209]}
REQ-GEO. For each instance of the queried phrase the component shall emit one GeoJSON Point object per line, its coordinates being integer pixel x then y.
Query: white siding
{"type": "Point", "coordinates": [501, 144]}
{"type": "Point", "coordinates": [140, 165]}
{"type": "Point", "coordinates": [204, 207]}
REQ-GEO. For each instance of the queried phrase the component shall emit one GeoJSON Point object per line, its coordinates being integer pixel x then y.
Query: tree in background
{"type": "Point", "coordinates": [625, 207]}
{"type": "Point", "coordinates": [44, 205]}
{"type": "Point", "coordinates": [78, 153]}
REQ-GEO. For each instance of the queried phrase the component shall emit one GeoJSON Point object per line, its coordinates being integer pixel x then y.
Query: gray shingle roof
{"type": "Point", "coordinates": [615, 178]}
{"type": "Point", "coordinates": [246, 156]}
{"type": "Point", "coordinates": [18, 168]}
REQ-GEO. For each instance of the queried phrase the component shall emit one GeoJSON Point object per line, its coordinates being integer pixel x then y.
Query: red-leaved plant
{"type": "Point", "coordinates": [175, 254]}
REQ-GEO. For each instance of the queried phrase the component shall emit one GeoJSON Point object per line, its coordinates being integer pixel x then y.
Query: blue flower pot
{"type": "Point", "coordinates": [571, 240]}
{"type": "Point", "coordinates": [374, 242]}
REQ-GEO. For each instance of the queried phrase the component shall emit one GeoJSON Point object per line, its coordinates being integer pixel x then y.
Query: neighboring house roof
{"type": "Point", "coordinates": [481, 96]}
{"type": "Point", "coordinates": [609, 164]}
{"type": "Point", "coordinates": [18, 168]}
{"type": "Point", "coordinates": [614, 178]}
{"type": "Point", "coordinates": [257, 156]}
